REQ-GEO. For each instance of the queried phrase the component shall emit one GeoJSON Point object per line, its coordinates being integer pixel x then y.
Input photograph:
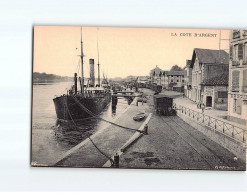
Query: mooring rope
{"type": "Point", "coordinates": [90, 138]}
{"type": "Point", "coordinates": [97, 116]}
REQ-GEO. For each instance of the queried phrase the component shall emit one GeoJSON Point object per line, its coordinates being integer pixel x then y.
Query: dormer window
{"type": "Point", "coordinates": [236, 34]}
{"type": "Point", "coordinates": [244, 32]}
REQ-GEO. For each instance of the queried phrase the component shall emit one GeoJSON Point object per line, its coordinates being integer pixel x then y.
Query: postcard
{"type": "Point", "coordinates": [139, 98]}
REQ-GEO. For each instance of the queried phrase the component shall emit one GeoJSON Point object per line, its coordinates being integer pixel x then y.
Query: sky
{"type": "Point", "coordinates": [122, 51]}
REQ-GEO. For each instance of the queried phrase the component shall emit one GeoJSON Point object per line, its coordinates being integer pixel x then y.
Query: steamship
{"type": "Point", "coordinates": [89, 101]}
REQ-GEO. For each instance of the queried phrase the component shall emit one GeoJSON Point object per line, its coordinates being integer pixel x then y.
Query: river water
{"type": "Point", "coordinates": [50, 138]}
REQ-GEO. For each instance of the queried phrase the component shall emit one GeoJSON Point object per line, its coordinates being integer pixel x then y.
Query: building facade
{"type": "Point", "coordinates": [164, 80]}
{"type": "Point", "coordinates": [142, 81]}
{"type": "Point", "coordinates": [156, 75]}
{"type": "Point", "coordinates": [206, 64]}
{"type": "Point", "coordinates": [170, 80]}
{"type": "Point", "coordinates": [176, 80]}
{"type": "Point", "coordinates": [215, 92]}
{"type": "Point", "coordinates": [237, 96]}
{"type": "Point", "coordinates": [188, 79]}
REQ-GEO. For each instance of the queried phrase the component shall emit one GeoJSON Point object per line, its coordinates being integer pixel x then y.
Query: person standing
{"type": "Point", "coordinates": [203, 107]}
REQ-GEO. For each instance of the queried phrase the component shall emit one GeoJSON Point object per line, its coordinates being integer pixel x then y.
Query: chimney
{"type": "Point", "coordinates": [92, 77]}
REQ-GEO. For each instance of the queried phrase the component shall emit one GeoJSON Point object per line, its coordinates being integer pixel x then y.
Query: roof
{"type": "Point", "coordinates": [209, 56]}
{"type": "Point", "coordinates": [188, 63]}
{"type": "Point", "coordinates": [179, 73]}
{"type": "Point", "coordinates": [220, 80]}
{"type": "Point", "coordinates": [157, 71]}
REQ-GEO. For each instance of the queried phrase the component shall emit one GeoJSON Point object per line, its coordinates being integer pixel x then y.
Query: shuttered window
{"type": "Point", "coordinates": [235, 81]}
{"type": "Point", "coordinates": [231, 52]}
{"type": "Point", "coordinates": [240, 51]}
{"type": "Point", "coordinates": [235, 53]}
{"type": "Point", "coordinates": [239, 106]}
{"type": "Point", "coordinates": [245, 52]}
{"type": "Point", "coordinates": [244, 81]}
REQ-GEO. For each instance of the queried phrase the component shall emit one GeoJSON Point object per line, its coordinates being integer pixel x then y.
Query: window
{"type": "Point", "coordinates": [236, 34]}
{"type": "Point", "coordinates": [182, 80]}
{"type": "Point", "coordinates": [237, 106]}
{"type": "Point", "coordinates": [171, 80]}
{"type": "Point", "coordinates": [244, 81]}
{"type": "Point", "coordinates": [245, 52]}
{"type": "Point", "coordinates": [231, 51]}
{"type": "Point", "coordinates": [235, 81]}
{"type": "Point", "coordinates": [244, 32]}
{"type": "Point", "coordinates": [240, 51]}
{"type": "Point", "coordinates": [235, 53]}
{"type": "Point", "coordinates": [177, 80]}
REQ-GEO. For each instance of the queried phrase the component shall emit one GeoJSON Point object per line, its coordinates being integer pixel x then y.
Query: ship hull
{"type": "Point", "coordinates": [67, 108]}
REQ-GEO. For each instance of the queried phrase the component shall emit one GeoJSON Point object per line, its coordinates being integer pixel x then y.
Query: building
{"type": "Point", "coordinates": [188, 79]}
{"type": "Point", "coordinates": [215, 91]}
{"type": "Point", "coordinates": [171, 80]}
{"type": "Point", "coordinates": [142, 81]}
{"type": "Point", "coordinates": [237, 96]}
{"type": "Point", "coordinates": [176, 80]}
{"type": "Point", "coordinates": [206, 64]}
{"type": "Point", "coordinates": [164, 80]}
{"type": "Point", "coordinates": [155, 75]}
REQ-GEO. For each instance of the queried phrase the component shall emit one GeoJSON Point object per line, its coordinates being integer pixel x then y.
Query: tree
{"type": "Point", "coordinates": [176, 68]}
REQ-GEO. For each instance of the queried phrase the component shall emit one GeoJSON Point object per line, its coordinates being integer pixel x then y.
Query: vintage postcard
{"type": "Point", "coordinates": [149, 98]}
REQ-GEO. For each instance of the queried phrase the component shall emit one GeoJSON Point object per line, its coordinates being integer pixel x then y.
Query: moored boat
{"type": "Point", "coordinates": [87, 102]}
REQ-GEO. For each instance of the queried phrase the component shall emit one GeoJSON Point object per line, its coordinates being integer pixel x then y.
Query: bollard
{"type": "Point", "coordinates": [136, 102]}
{"type": "Point", "coordinates": [116, 161]}
{"type": "Point", "coordinates": [145, 130]}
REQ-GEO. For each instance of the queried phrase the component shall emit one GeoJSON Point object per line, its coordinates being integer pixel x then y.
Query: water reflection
{"type": "Point", "coordinates": [70, 133]}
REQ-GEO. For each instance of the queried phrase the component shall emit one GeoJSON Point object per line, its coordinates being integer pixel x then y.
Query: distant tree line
{"type": "Point", "coordinates": [176, 68]}
{"type": "Point", "coordinates": [47, 78]}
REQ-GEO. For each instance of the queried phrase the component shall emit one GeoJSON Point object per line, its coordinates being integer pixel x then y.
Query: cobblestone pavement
{"type": "Point", "coordinates": [174, 144]}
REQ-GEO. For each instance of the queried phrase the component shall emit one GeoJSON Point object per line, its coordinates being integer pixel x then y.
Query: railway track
{"type": "Point", "coordinates": [209, 156]}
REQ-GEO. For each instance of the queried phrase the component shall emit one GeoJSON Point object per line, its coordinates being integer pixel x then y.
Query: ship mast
{"type": "Point", "coordinates": [98, 59]}
{"type": "Point", "coordinates": [82, 72]}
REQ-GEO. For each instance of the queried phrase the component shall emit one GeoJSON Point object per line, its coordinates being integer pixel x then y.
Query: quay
{"type": "Point", "coordinates": [171, 143]}
{"type": "Point", "coordinates": [109, 140]}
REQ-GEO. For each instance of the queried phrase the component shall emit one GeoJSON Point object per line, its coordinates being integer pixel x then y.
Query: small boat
{"type": "Point", "coordinates": [139, 117]}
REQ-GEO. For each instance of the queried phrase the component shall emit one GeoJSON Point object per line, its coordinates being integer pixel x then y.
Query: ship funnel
{"type": "Point", "coordinates": [75, 82]}
{"type": "Point", "coordinates": [92, 76]}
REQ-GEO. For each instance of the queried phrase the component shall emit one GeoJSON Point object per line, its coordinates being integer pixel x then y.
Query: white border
{"type": "Point", "coordinates": [17, 18]}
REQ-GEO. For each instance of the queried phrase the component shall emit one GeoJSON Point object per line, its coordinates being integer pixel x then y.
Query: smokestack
{"type": "Point", "coordinates": [75, 82]}
{"type": "Point", "coordinates": [92, 77]}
